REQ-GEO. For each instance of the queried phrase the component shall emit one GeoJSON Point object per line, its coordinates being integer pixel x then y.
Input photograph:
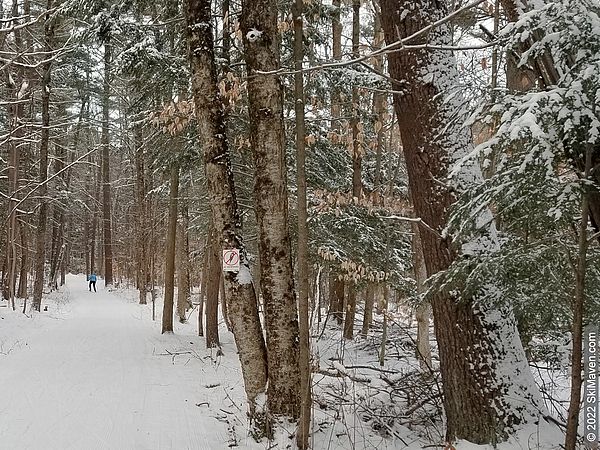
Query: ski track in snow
{"type": "Point", "coordinates": [96, 380]}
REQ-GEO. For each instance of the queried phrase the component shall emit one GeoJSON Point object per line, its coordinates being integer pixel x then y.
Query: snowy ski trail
{"type": "Point", "coordinates": [99, 378]}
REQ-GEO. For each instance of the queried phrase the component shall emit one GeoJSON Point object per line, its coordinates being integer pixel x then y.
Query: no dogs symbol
{"type": "Point", "coordinates": [231, 260]}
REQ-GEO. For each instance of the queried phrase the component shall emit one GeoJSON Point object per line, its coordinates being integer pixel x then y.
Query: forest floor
{"type": "Point", "coordinates": [93, 372]}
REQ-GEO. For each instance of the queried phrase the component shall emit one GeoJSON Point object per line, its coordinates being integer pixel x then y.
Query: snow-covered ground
{"type": "Point", "coordinates": [93, 372]}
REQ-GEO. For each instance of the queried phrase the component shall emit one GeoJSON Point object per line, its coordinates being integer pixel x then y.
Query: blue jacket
{"type": "Point", "coordinates": [92, 277]}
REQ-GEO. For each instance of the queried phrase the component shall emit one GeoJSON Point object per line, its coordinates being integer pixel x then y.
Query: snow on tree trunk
{"type": "Point", "coordinates": [488, 388]}
{"type": "Point", "coordinates": [265, 106]}
{"type": "Point", "coordinates": [242, 305]}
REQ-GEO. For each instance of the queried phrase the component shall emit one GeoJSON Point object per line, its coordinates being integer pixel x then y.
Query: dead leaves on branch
{"type": "Point", "coordinates": [351, 271]}
{"type": "Point", "coordinates": [325, 202]}
{"type": "Point", "coordinates": [176, 115]}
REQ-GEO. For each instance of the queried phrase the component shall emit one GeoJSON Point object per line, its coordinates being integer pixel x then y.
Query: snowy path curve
{"type": "Point", "coordinates": [94, 378]}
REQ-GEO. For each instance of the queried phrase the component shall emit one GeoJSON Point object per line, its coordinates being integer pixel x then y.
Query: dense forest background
{"type": "Point", "coordinates": [377, 165]}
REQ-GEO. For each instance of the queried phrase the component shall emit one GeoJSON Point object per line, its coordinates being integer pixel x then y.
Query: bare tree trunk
{"type": "Point", "coordinates": [384, 310]}
{"type": "Point", "coordinates": [368, 315]}
{"type": "Point", "coordinates": [239, 290]}
{"type": "Point", "coordinates": [303, 273]}
{"type": "Point", "coordinates": [379, 99]}
{"type": "Point", "coordinates": [423, 312]}
{"type": "Point", "coordinates": [336, 33]}
{"type": "Point", "coordinates": [142, 225]}
{"type": "Point", "coordinates": [40, 257]}
{"type": "Point", "coordinates": [95, 216]}
{"type": "Point", "coordinates": [22, 291]}
{"type": "Point", "coordinates": [213, 285]}
{"type": "Point", "coordinates": [578, 309]}
{"type": "Point", "coordinates": [350, 311]}
{"type": "Point", "coordinates": [265, 107]}
{"type": "Point", "coordinates": [167, 317]}
{"type": "Point", "coordinates": [224, 313]}
{"type": "Point", "coordinates": [336, 297]}
{"type": "Point", "coordinates": [15, 114]}
{"type": "Point", "coordinates": [357, 187]}
{"type": "Point", "coordinates": [204, 281]}
{"type": "Point", "coordinates": [58, 222]}
{"type": "Point", "coordinates": [183, 278]}
{"type": "Point", "coordinates": [478, 402]}
{"type": "Point", "coordinates": [106, 190]}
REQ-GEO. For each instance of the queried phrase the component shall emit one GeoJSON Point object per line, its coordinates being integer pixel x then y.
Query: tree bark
{"type": "Point", "coordinates": [336, 36]}
{"type": "Point", "coordinates": [58, 221]}
{"type": "Point", "coordinates": [183, 277]}
{"type": "Point", "coordinates": [368, 315]}
{"type": "Point", "coordinates": [142, 218]}
{"type": "Point", "coordinates": [167, 317]}
{"type": "Point", "coordinates": [239, 290]}
{"type": "Point", "coordinates": [17, 94]}
{"type": "Point", "coordinates": [303, 306]}
{"type": "Point", "coordinates": [336, 297]}
{"type": "Point", "coordinates": [578, 306]}
{"type": "Point", "coordinates": [106, 190]}
{"type": "Point", "coordinates": [379, 100]}
{"type": "Point", "coordinates": [478, 342]}
{"type": "Point", "coordinates": [213, 285]}
{"type": "Point", "coordinates": [350, 311]}
{"type": "Point", "coordinates": [423, 312]}
{"type": "Point", "coordinates": [204, 280]}
{"type": "Point", "coordinates": [22, 291]}
{"type": "Point", "coordinates": [265, 107]}
{"type": "Point", "coordinates": [40, 256]}
{"type": "Point", "coordinates": [357, 187]}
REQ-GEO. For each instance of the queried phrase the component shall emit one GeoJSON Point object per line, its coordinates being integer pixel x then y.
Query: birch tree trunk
{"type": "Point", "coordinates": [239, 290]}
{"type": "Point", "coordinates": [265, 107]}
{"type": "Point", "coordinates": [479, 345]}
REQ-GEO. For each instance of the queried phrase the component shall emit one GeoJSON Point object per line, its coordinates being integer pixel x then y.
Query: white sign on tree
{"type": "Point", "coordinates": [231, 260]}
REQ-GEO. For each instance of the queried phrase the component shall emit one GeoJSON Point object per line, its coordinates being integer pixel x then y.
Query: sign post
{"type": "Point", "coordinates": [231, 260]}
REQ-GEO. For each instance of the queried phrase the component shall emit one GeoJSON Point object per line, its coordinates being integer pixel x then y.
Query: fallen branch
{"type": "Point", "coordinates": [343, 372]}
